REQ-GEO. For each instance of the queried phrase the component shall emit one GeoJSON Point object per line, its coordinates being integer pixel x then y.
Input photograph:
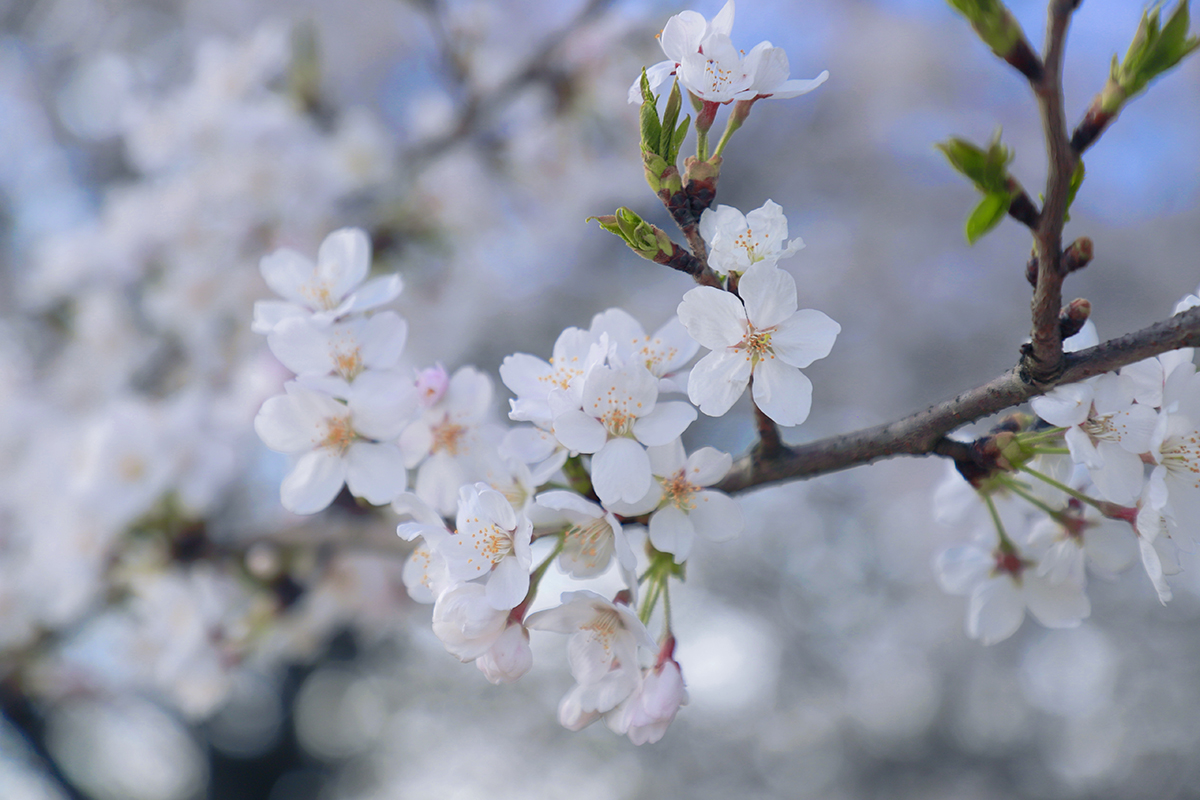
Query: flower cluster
{"type": "Point", "coordinates": [1109, 473]}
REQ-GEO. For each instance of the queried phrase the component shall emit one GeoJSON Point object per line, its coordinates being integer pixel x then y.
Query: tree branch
{"type": "Point", "coordinates": [924, 433]}
{"type": "Point", "coordinates": [1045, 357]}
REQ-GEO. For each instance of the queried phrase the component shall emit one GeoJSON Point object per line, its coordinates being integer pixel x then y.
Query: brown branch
{"type": "Point", "coordinates": [924, 433]}
{"type": "Point", "coordinates": [1044, 359]}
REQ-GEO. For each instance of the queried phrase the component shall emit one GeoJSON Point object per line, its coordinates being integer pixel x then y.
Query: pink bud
{"type": "Point", "coordinates": [431, 385]}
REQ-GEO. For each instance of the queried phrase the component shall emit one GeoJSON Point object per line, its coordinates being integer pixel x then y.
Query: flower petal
{"type": "Point", "coordinates": [783, 393]}
{"type": "Point", "coordinates": [621, 471]}
{"type": "Point", "coordinates": [714, 318]}
{"type": "Point", "coordinates": [314, 481]}
{"type": "Point", "coordinates": [804, 337]}
{"type": "Point", "coordinates": [770, 295]}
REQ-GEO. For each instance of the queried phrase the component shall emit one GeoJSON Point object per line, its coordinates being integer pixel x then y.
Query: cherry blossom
{"type": "Point", "coordinates": [651, 708]}
{"type": "Point", "coordinates": [331, 288]}
{"type": "Point", "coordinates": [491, 542]}
{"type": "Point", "coordinates": [338, 443]}
{"type": "Point", "coordinates": [737, 241]}
{"type": "Point", "coordinates": [763, 336]}
{"type": "Point", "coordinates": [620, 415]}
{"type": "Point", "coordinates": [683, 34]}
{"type": "Point", "coordinates": [509, 657]}
{"type": "Point", "coordinates": [310, 348]}
{"type": "Point", "coordinates": [590, 537]}
{"type": "Point", "coordinates": [664, 352]}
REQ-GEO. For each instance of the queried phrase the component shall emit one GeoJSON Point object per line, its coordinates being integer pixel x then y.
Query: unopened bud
{"type": "Point", "coordinates": [1073, 316]}
{"type": "Point", "coordinates": [1031, 270]}
{"type": "Point", "coordinates": [1078, 255]}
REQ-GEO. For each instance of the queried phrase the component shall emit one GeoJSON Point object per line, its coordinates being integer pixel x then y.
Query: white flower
{"type": "Point", "coordinates": [591, 535]}
{"type": "Point", "coordinates": [532, 380]}
{"type": "Point", "coordinates": [682, 507]}
{"type": "Point", "coordinates": [736, 242]}
{"type": "Point", "coordinates": [602, 652]}
{"type": "Point", "coordinates": [620, 414]}
{"type": "Point", "coordinates": [647, 713]}
{"type": "Point", "coordinates": [766, 337]}
{"type": "Point", "coordinates": [492, 542]}
{"type": "Point", "coordinates": [336, 443]}
{"type": "Point", "coordinates": [446, 443]}
{"type": "Point", "coordinates": [1002, 584]}
{"type": "Point", "coordinates": [345, 349]}
{"type": "Point", "coordinates": [467, 622]}
{"type": "Point", "coordinates": [1080, 534]}
{"type": "Point", "coordinates": [683, 34]}
{"type": "Point", "coordinates": [664, 353]}
{"type": "Point", "coordinates": [331, 288]}
{"type": "Point", "coordinates": [509, 657]}
{"type": "Point", "coordinates": [707, 64]}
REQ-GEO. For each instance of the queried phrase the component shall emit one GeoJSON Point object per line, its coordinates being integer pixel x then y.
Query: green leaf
{"type": "Point", "coordinates": [987, 169]}
{"type": "Point", "coordinates": [651, 129]}
{"type": "Point", "coordinates": [1073, 188]}
{"type": "Point", "coordinates": [677, 140]}
{"type": "Point", "coordinates": [1154, 49]}
{"type": "Point", "coordinates": [987, 215]}
{"type": "Point", "coordinates": [993, 22]}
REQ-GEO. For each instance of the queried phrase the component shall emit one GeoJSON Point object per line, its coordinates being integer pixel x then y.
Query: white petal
{"type": "Point", "coordinates": [717, 516]}
{"type": "Point", "coordinates": [959, 569]}
{"type": "Point", "coordinates": [714, 318]}
{"type": "Point", "coordinates": [1064, 406]}
{"type": "Point", "coordinates": [376, 292]}
{"type": "Point", "coordinates": [343, 260]}
{"type": "Point", "coordinates": [706, 466]}
{"type": "Point", "coordinates": [770, 295]}
{"type": "Point", "coordinates": [507, 585]}
{"type": "Point", "coordinates": [783, 393]}
{"type": "Point", "coordinates": [314, 481]}
{"type": "Point", "coordinates": [1062, 605]}
{"type": "Point", "coordinates": [666, 422]}
{"type": "Point", "coordinates": [375, 472]}
{"type": "Point", "coordinates": [620, 471]}
{"type": "Point", "coordinates": [804, 337]}
{"type": "Point", "coordinates": [718, 380]}
{"type": "Point", "coordinates": [995, 611]}
{"type": "Point", "coordinates": [288, 274]}
{"type": "Point", "coordinates": [579, 432]}
{"type": "Point", "coordinates": [671, 531]}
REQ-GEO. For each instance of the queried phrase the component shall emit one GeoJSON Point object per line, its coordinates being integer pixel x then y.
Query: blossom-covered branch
{"type": "Point", "coordinates": [924, 433]}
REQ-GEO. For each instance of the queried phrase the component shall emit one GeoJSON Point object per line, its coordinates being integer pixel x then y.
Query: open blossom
{"type": "Point", "coordinates": [619, 417]}
{"type": "Point", "coordinates": [331, 288]}
{"type": "Point", "coordinates": [682, 506]}
{"type": "Point", "coordinates": [664, 352]}
{"type": "Point", "coordinates": [491, 542]}
{"type": "Point", "coordinates": [736, 242]}
{"type": "Point", "coordinates": [647, 713]}
{"type": "Point", "coordinates": [703, 57]}
{"type": "Point", "coordinates": [576, 352]}
{"type": "Point", "coordinates": [509, 657]}
{"type": "Point", "coordinates": [1001, 584]}
{"type": "Point", "coordinates": [762, 335]}
{"type": "Point", "coordinates": [591, 535]}
{"type": "Point", "coordinates": [602, 652]}
{"type": "Point", "coordinates": [335, 443]}
{"type": "Point", "coordinates": [310, 348]}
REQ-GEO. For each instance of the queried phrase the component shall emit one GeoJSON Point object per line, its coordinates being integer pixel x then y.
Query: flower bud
{"type": "Point", "coordinates": [1073, 316]}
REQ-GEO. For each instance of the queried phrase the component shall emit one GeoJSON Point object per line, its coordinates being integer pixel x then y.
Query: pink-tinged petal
{"type": "Point", "coordinates": [707, 465]}
{"type": "Point", "coordinates": [714, 318]}
{"type": "Point", "coordinates": [269, 313]}
{"type": "Point", "coordinates": [717, 516]}
{"type": "Point", "coordinates": [467, 625]}
{"type": "Point", "coordinates": [682, 34]}
{"type": "Point", "coordinates": [666, 422]}
{"type": "Point", "coordinates": [797, 87]}
{"type": "Point", "coordinates": [667, 459]}
{"type": "Point", "coordinates": [507, 585]}
{"type": "Point", "coordinates": [718, 380]}
{"type": "Point", "coordinates": [314, 481]}
{"type": "Point", "coordinates": [783, 393]}
{"type": "Point", "coordinates": [288, 274]}
{"type": "Point", "coordinates": [995, 610]}
{"type": "Point", "coordinates": [960, 569]}
{"type": "Point", "coordinates": [578, 432]}
{"type": "Point", "coordinates": [376, 292]}
{"type": "Point", "coordinates": [804, 337]}
{"type": "Point", "coordinates": [382, 340]}
{"type": "Point", "coordinates": [671, 531]}
{"type": "Point", "coordinates": [770, 295]}
{"type": "Point", "coordinates": [1062, 605]}
{"type": "Point", "coordinates": [1065, 406]}
{"type": "Point", "coordinates": [620, 471]}
{"type": "Point", "coordinates": [375, 472]}
{"type": "Point", "coordinates": [383, 403]}
{"type": "Point", "coordinates": [343, 261]}
{"type": "Point", "coordinates": [509, 658]}
{"type": "Point", "coordinates": [570, 711]}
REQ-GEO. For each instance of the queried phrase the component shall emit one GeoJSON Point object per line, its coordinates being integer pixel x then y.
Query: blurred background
{"type": "Point", "coordinates": [168, 632]}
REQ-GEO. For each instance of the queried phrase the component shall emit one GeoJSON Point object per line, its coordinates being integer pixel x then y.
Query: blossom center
{"type": "Point", "coordinates": [604, 625]}
{"type": "Point", "coordinates": [490, 541]}
{"type": "Point", "coordinates": [319, 294]}
{"type": "Point", "coordinates": [1181, 457]}
{"type": "Point", "coordinates": [679, 491]}
{"type": "Point", "coordinates": [339, 434]}
{"type": "Point", "coordinates": [1008, 562]}
{"type": "Point", "coordinates": [590, 539]}
{"type": "Point", "coordinates": [448, 437]}
{"type": "Point", "coordinates": [562, 375]}
{"type": "Point", "coordinates": [757, 345]}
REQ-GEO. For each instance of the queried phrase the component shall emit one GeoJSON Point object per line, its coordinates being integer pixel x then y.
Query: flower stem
{"type": "Point", "coordinates": [1006, 544]}
{"type": "Point", "coordinates": [1062, 487]}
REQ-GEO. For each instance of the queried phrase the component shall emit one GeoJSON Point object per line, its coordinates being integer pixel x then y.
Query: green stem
{"type": "Point", "coordinates": [651, 600]}
{"type": "Point", "coordinates": [1006, 544]}
{"type": "Point", "coordinates": [1019, 490]}
{"type": "Point", "coordinates": [1062, 487]}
